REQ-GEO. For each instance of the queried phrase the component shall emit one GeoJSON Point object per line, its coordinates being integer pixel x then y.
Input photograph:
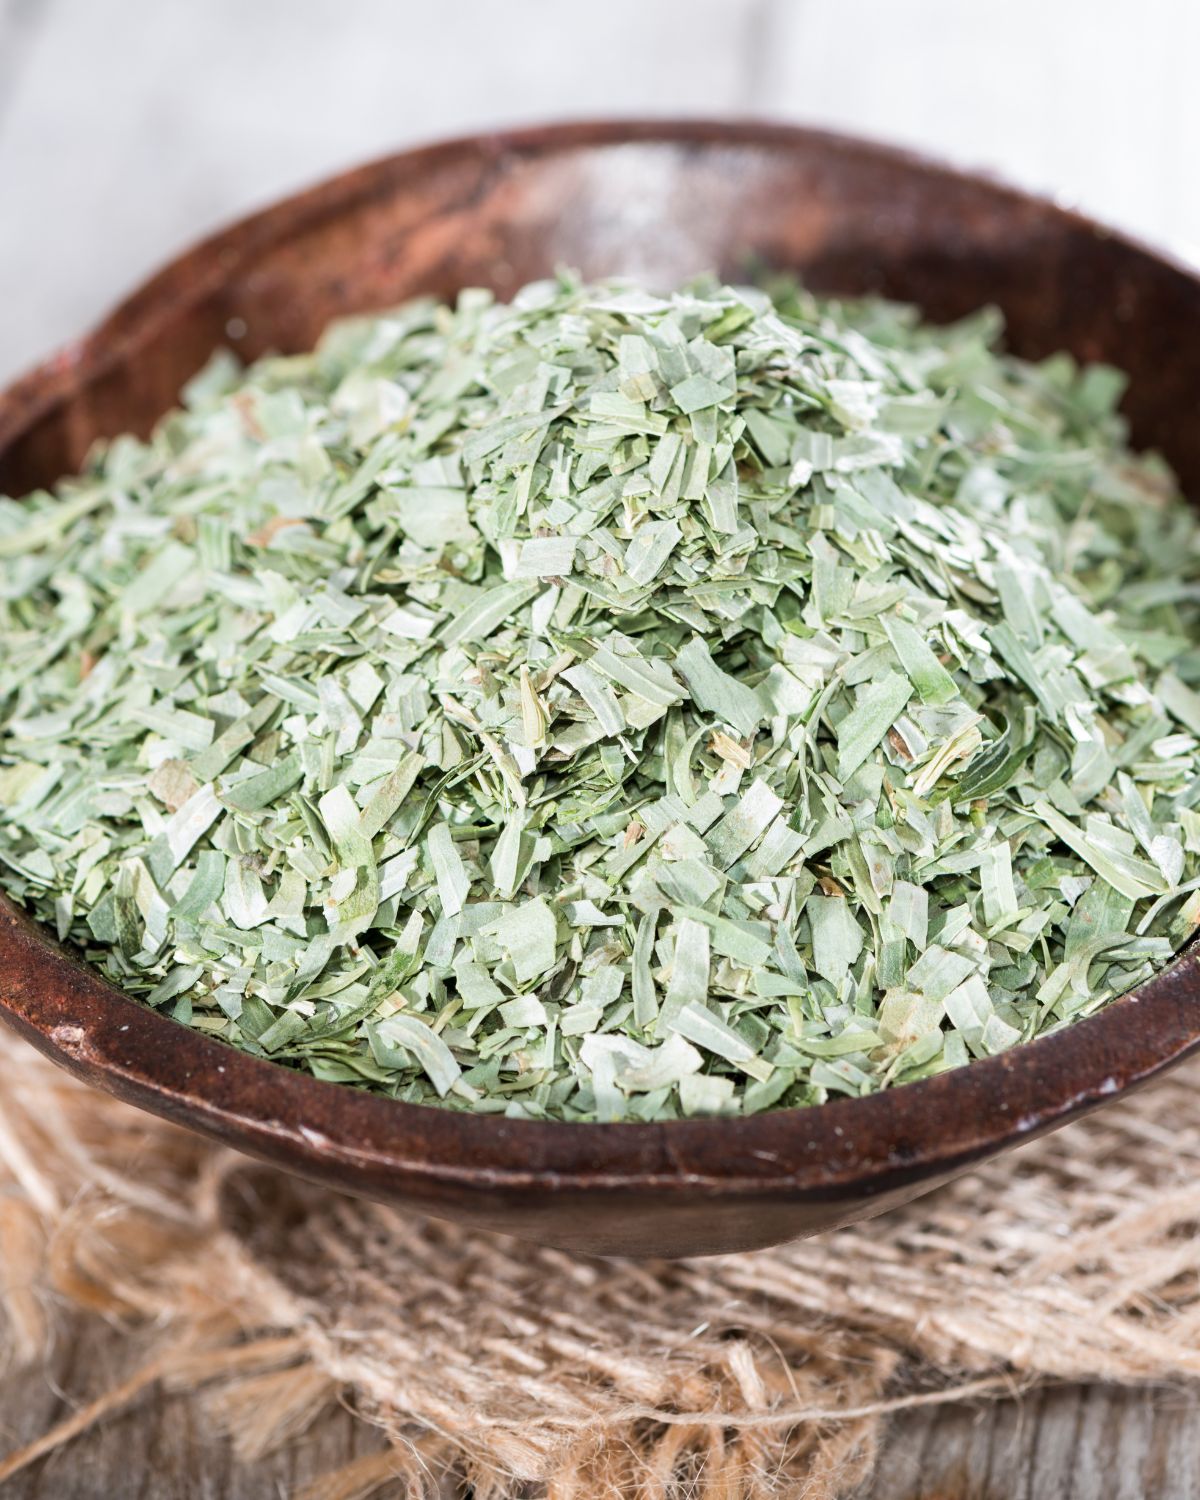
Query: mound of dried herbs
{"type": "Point", "coordinates": [613, 706]}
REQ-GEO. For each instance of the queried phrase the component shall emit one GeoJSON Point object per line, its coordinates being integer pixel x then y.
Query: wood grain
{"type": "Point", "coordinates": [1087, 98]}
{"type": "Point", "coordinates": [161, 1449]}
{"type": "Point", "coordinates": [20, 20]}
{"type": "Point", "coordinates": [132, 127]}
{"type": "Point", "coordinates": [1073, 1443]}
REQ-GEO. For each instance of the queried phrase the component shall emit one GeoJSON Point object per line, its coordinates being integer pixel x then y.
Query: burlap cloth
{"type": "Point", "coordinates": [526, 1371]}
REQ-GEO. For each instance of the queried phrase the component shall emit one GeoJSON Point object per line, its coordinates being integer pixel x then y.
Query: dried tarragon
{"type": "Point", "coordinates": [613, 706]}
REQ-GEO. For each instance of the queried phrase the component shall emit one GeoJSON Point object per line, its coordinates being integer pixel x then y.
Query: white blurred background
{"type": "Point", "coordinates": [130, 127]}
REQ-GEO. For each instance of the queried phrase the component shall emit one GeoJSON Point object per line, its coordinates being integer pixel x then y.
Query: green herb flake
{"type": "Point", "coordinates": [613, 706]}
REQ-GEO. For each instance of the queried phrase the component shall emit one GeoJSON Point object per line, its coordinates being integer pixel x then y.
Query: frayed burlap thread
{"type": "Point", "coordinates": [520, 1370]}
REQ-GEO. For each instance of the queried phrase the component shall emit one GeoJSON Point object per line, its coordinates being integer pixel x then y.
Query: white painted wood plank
{"type": "Point", "coordinates": [136, 125]}
{"type": "Point", "coordinates": [1093, 99]}
{"type": "Point", "coordinates": [19, 20]}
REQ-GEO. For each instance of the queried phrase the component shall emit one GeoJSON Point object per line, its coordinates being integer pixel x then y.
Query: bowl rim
{"type": "Point", "coordinates": [847, 1147]}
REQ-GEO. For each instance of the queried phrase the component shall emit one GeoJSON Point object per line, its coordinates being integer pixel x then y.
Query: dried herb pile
{"type": "Point", "coordinates": [613, 706]}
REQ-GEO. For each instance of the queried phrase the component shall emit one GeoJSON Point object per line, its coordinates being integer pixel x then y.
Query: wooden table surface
{"type": "Point", "coordinates": [1067, 1443]}
{"type": "Point", "coordinates": [129, 127]}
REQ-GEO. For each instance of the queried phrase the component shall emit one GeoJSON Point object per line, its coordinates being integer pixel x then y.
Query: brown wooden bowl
{"type": "Point", "coordinates": [662, 202]}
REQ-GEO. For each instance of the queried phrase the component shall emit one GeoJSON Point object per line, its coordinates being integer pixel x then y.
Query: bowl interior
{"type": "Point", "coordinates": [662, 203]}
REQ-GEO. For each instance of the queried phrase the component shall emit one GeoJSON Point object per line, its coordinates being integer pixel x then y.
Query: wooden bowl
{"type": "Point", "coordinates": [658, 201]}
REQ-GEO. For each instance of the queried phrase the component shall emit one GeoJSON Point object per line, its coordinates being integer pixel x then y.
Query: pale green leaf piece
{"type": "Point", "coordinates": [716, 692]}
{"type": "Point", "coordinates": [933, 683]}
{"type": "Point", "coordinates": [528, 934]}
{"type": "Point", "coordinates": [837, 938]}
{"type": "Point", "coordinates": [433, 1056]}
{"type": "Point", "coordinates": [877, 709]}
{"type": "Point", "coordinates": [690, 968]}
{"type": "Point", "coordinates": [698, 1024]}
{"type": "Point", "coordinates": [453, 882]}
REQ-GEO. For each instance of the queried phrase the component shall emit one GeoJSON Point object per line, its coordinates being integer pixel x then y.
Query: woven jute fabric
{"type": "Point", "coordinates": [522, 1371]}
